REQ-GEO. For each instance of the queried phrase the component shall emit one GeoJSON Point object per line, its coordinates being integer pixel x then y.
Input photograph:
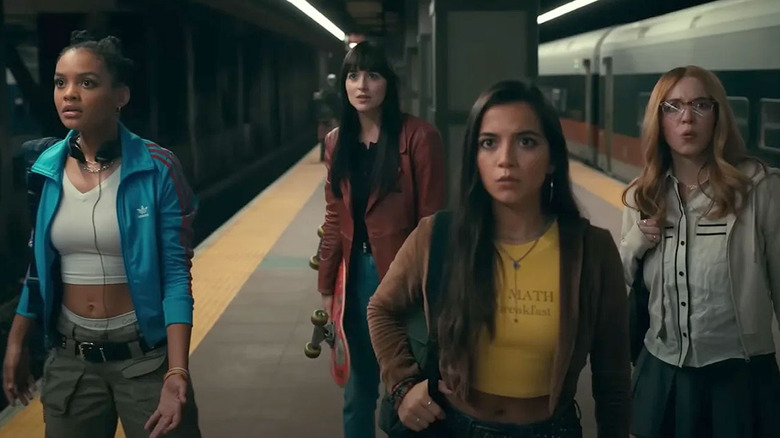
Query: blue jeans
{"type": "Point", "coordinates": [362, 389]}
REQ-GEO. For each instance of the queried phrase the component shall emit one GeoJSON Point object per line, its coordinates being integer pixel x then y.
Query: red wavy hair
{"type": "Point", "coordinates": [727, 150]}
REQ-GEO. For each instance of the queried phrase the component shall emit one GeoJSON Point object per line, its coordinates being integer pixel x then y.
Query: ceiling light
{"type": "Point", "coordinates": [563, 10]}
{"type": "Point", "coordinates": [317, 16]}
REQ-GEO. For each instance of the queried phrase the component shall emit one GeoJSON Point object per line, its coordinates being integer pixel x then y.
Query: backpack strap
{"type": "Point", "coordinates": [436, 259]}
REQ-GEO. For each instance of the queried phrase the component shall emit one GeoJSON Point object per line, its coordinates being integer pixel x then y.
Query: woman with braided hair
{"type": "Point", "coordinates": [112, 251]}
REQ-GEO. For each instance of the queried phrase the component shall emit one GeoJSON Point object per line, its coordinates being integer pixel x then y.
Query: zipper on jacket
{"type": "Point", "coordinates": [123, 239]}
{"type": "Point", "coordinates": [120, 217]}
{"type": "Point", "coordinates": [46, 236]}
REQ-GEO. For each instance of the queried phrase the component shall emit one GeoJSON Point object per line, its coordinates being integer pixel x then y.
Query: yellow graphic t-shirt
{"type": "Point", "coordinates": [518, 362]}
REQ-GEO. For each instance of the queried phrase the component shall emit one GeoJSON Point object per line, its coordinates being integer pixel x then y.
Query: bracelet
{"type": "Point", "coordinates": [401, 390]}
{"type": "Point", "coordinates": [177, 370]}
{"type": "Point", "coordinates": [402, 382]}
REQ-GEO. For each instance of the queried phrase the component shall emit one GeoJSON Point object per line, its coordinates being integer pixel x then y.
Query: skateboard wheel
{"type": "Point", "coordinates": [319, 318]}
{"type": "Point", "coordinates": [312, 351]}
{"type": "Point", "coordinates": [314, 262]}
{"type": "Point", "coordinates": [320, 232]}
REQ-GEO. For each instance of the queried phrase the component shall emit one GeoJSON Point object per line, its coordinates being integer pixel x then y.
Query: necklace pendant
{"type": "Point", "coordinates": [516, 264]}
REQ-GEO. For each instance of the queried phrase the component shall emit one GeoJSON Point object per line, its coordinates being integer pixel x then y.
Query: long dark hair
{"type": "Point", "coordinates": [367, 56]}
{"type": "Point", "coordinates": [470, 303]}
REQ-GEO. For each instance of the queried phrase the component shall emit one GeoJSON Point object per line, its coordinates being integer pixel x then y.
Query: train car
{"type": "Point", "coordinates": [600, 81]}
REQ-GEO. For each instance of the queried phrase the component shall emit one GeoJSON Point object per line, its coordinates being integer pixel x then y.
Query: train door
{"type": "Point", "coordinates": [609, 108]}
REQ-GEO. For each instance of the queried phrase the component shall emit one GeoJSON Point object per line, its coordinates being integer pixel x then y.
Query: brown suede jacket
{"type": "Point", "coordinates": [593, 320]}
{"type": "Point", "coordinates": [391, 218]}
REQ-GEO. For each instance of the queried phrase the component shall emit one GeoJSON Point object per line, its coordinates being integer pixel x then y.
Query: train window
{"type": "Point", "coordinates": [740, 106]}
{"type": "Point", "coordinates": [770, 125]}
{"type": "Point", "coordinates": [641, 102]}
{"type": "Point", "coordinates": [556, 96]}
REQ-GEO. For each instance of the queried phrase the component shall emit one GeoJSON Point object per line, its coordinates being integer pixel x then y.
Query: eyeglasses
{"type": "Point", "coordinates": [675, 108]}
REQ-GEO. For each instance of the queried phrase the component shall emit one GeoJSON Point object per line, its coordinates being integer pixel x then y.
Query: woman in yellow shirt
{"type": "Point", "coordinates": [531, 290]}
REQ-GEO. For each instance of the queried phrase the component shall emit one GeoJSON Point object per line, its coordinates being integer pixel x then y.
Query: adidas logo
{"type": "Point", "coordinates": [143, 212]}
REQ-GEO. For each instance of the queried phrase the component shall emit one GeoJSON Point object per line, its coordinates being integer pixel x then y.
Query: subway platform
{"type": "Point", "coordinates": [254, 295]}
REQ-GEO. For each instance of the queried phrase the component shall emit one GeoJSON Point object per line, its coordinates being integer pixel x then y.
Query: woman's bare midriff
{"type": "Point", "coordinates": [88, 300]}
{"type": "Point", "coordinates": [500, 409]}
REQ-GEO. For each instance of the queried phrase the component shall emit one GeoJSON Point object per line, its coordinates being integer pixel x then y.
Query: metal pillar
{"type": "Point", "coordinates": [476, 44]}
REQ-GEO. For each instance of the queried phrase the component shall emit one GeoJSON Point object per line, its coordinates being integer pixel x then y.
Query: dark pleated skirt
{"type": "Point", "coordinates": [730, 399]}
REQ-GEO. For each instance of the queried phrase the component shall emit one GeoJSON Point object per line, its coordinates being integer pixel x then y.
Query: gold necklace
{"type": "Point", "coordinates": [516, 263]}
{"type": "Point", "coordinates": [86, 166]}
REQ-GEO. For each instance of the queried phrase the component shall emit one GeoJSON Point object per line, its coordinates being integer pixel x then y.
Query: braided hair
{"type": "Point", "coordinates": [109, 49]}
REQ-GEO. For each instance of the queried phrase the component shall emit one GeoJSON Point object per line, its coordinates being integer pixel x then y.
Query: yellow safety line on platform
{"type": "Point", "coordinates": [220, 269]}
{"type": "Point", "coordinates": [597, 183]}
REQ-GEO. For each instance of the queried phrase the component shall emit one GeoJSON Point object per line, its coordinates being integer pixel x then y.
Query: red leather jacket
{"type": "Point", "coordinates": [391, 218]}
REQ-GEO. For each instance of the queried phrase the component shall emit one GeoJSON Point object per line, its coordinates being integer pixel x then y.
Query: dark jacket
{"type": "Point", "coordinates": [593, 320]}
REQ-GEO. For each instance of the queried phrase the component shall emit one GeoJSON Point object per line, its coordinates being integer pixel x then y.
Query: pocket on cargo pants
{"type": "Point", "coordinates": [142, 380]}
{"type": "Point", "coordinates": [137, 394]}
{"type": "Point", "coordinates": [61, 377]}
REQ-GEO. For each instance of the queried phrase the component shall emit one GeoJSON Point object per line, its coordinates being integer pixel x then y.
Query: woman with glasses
{"type": "Point", "coordinates": [701, 228]}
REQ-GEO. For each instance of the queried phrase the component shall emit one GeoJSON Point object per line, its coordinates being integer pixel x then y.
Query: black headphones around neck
{"type": "Point", "coordinates": [107, 153]}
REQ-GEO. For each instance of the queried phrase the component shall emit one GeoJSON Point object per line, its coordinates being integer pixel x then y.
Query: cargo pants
{"type": "Point", "coordinates": [85, 399]}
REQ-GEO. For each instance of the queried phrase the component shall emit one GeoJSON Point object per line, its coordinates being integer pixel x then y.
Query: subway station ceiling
{"type": "Point", "coordinates": [379, 18]}
{"type": "Point", "coordinates": [373, 18]}
{"type": "Point", "coordinates": [368, 17]}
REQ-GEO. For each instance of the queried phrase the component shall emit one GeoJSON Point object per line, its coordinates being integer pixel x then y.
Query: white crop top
{"type": "Point", "coordinates": [73, 236]}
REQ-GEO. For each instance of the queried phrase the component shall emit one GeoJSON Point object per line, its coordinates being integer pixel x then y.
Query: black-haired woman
{"type": "Point", "coordinates": [112, 246]}
{"type": "Point", "coordinates": [532, 290]}
{"type": "Point", "coordinates": [385, 173]}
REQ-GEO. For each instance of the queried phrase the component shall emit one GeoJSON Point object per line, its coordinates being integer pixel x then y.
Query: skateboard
{"type": "Point", "coordinates": [314, 261]}
{"type": "Point", "coordinates": [331, 330]}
